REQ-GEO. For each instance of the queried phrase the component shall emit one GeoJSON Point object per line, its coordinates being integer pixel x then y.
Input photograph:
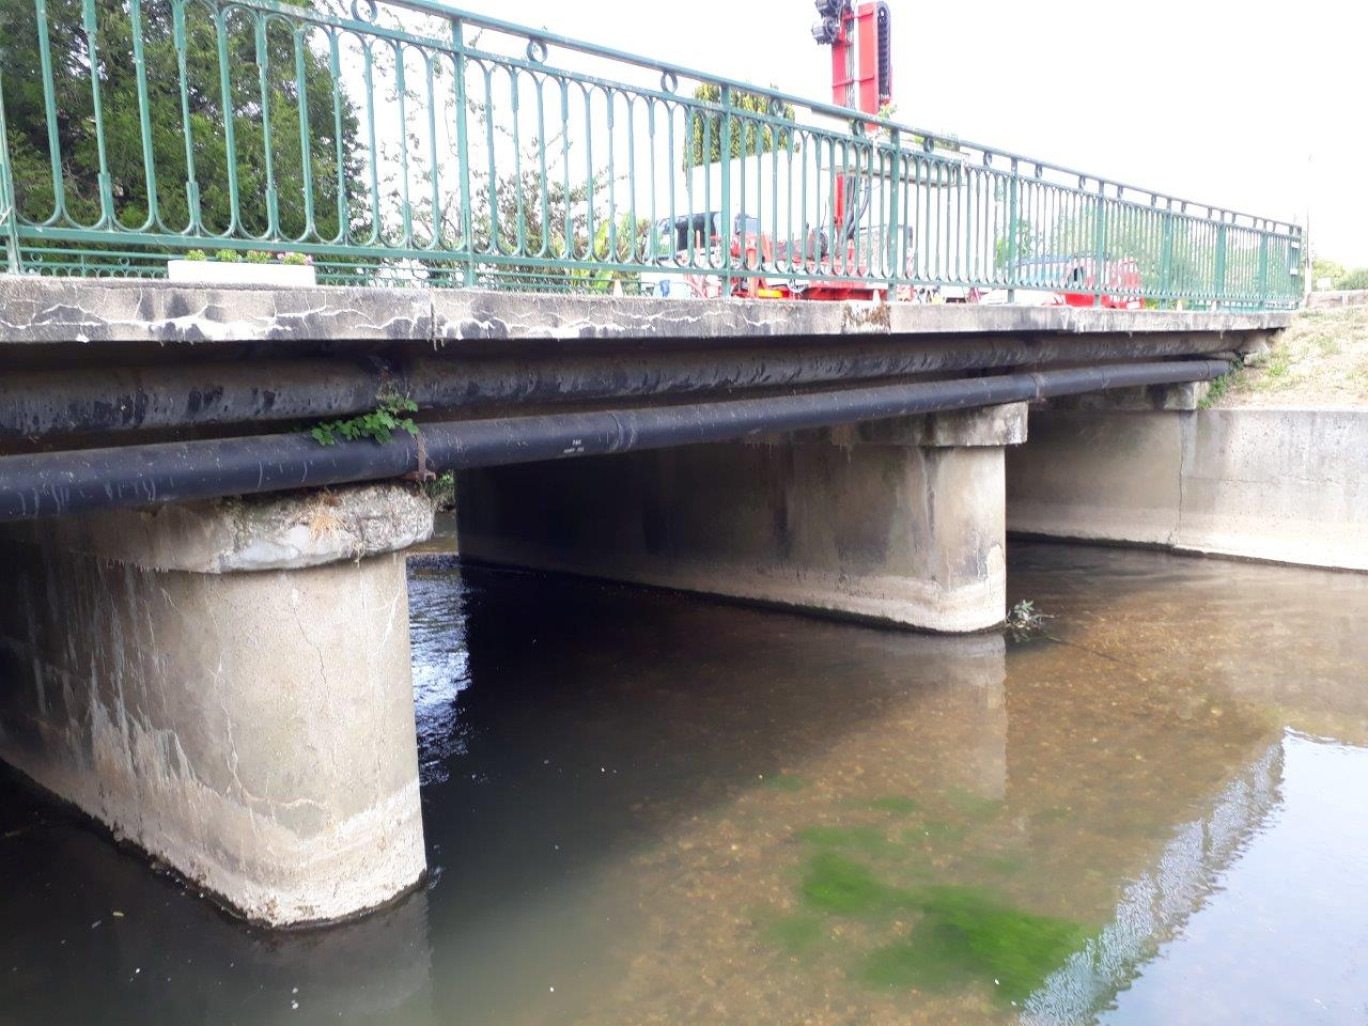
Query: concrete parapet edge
{"type": "Point", "coordinates": [65, 310]}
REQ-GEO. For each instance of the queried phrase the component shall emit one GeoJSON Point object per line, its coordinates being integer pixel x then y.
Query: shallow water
{"type": "Point", "coordinates": [646, 808]}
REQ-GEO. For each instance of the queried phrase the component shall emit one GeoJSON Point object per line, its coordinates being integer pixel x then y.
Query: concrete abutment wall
{"type": "Point", "coordinates": [1287, 486]}
{"type": "Point", "coordinates": [900, 522]}
{"type": "Point", "coordinates": [227, 686]}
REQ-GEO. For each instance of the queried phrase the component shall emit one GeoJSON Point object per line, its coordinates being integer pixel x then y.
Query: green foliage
{"type": "Point", "coordinates": [228, 256]}
{"type": "Point", "coordinates": [197, 255]}
{"type": "Point", "coordinates": [749, 135]}
{"type": "Point", "coordinates": [616, 241]}
{"type": "Point", "coordinates": [334, 164]}
{"type": "Point", "coordinates": [866, 839]}
{"type": "Point", "coordinates": [295, 260]}
{"type": "Point", "coordinates": [1025, 621]}
{"type": "Point", "coordinates": [442, 490]}
{"type": "Point", "coordinates": [834, 883]}
{"type": "Point", "coordinates": [894, 804]}
{"type": "Point", "coordinates": [1218, 390]}
{"type": "Point", "coordinates": [526, 212]}
{"type": "Point", "coordinates": [1134, 238]}
{"type": "Point", "coordinates": [784, 782]}
{"type": "Point", "coordinates": [969, 935]}
{"type": "Point", "coordinates": [1328, 269]}
{"type": "Point", "coordinates": [794, 933]}
{"type": "Point", "coordinates": [389, 416]}
{"type": "Point", "coordinates": [1025, 245]}
{"type": "Point", "coordinates": [257, 256]}
{"type": "Point", "coordinates": [1356, 279]}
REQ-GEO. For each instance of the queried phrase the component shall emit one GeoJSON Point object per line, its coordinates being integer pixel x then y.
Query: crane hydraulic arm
{"type": "Point", "coordinates": [861, 58]}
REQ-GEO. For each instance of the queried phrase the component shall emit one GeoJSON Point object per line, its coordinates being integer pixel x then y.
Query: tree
{"type": "Point", "coordinates": [749, 136]}
{"type": "Point", "coordinates": [1325, 269]}
{"type": "Point", "coordinates": [532, 215]}
{"type": "Point", "coordinates": [1353, 280]}
{"type": "Point", "coordinates": [333, 166]}
{"type": "Point", "coordinates": [1025, 244]}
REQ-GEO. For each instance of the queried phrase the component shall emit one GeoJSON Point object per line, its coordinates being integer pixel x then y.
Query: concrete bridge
{"type": "Point", "coordinates": [204, 635]}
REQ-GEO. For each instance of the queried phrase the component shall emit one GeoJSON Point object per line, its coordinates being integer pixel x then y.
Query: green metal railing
{"type": "Point", "coordinates": [409, 142]}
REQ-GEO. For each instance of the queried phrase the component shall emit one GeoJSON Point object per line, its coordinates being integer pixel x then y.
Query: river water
{"type": "Point", "coordinates": [650, 808]}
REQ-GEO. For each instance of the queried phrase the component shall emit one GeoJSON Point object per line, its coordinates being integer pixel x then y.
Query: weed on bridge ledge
{"type": "Point", "coordinates": [391, 415]}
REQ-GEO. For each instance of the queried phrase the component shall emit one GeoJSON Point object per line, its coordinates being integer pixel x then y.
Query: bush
{"type": "Point", "coordinates": [197, 255]}
{"type": "Point", "coordinates": [257, 256]}
{"type": "Point", "coordinates": [295, 260]}
{"type": "Point", "coordinates": [1356, 279]}
{"type": "Point", "coordinates": [228, 256]}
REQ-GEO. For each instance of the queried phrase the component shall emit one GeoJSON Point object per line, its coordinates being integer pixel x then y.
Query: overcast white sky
{"type": "Point", "coordinates": [1254, 106]}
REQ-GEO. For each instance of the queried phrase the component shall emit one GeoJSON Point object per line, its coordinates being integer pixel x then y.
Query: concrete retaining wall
{"type": "Point", "coordinates": [1283, 485]}
{"type": "Point", "coordinates": [1331, 300]}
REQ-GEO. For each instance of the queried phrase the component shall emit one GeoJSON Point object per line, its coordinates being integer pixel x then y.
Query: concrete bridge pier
{"type": "Point", "coordinates": [226, 685]}
{"type": "Point", "coordinates": [899, 521]}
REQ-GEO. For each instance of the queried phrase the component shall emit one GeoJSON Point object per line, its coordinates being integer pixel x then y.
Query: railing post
{"type": "Point", "coordinates": [9, 216]}
{"type": "Point", "coordinates": [1221, 261]}
{"type": "Point", "coordinates": [725, 164]}
{"type": "Point", "coordinates": [1100, 243]}
{"type": "Point", "coordinates": [1166, 260]}
{"type": "Point", "coordinates": [1263, 266]}
{"type": "Point", "coordinates": [90, 22]}
{"type": "Point", "coordinates": [194, 213]}
{"type": "Point", "coordinates": [1299, 267]}
{"type": "Point", "coordinates": [1013, 230]}
{"type": "Point", "coordinates": [894, 242]}
{"type": "Point", "coordinates": [463, 152]}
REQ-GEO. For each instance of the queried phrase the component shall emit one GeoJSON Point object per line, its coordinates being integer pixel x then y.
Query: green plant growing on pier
{"type": "Point", "coordinates": [295, 260]}
{"type": "Point", "coordinates": [228, 256]}
{"type": "Point", "coordinates": [442, 491]}
{"type": "Point", "coordinates": [1025, 621]}
{"type": "Point", "coordinates": [257, 256]}
{"type": "Point", "coordinates": [197, 255]}
{"type": "Point", "coordinates": [1218, 390]}
{"type": "Point", "coordinates": [391, 415]}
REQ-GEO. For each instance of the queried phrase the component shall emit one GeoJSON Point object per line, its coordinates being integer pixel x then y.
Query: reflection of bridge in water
{"type": "Point", "coordinates": [1156, 906]}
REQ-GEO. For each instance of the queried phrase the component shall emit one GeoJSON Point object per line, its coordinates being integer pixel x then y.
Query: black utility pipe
{"type": "Point", "coordinates": [69, 482]}
{"type": "Point", "coordinates": [89, 401]}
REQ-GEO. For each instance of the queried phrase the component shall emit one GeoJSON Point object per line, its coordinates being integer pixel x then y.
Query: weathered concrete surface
{"type": "Point", "coordinates": [1283, 485]}
{"type": "Point", "coordinates": [1186, 396]}
{"type": "Point", "coordinates": [1331, 300]}
{"type": "Point", "coordinates": [982, 426]}
{"type": "Point", "coordinates": [900, 533]}
{"type": "Point", "coordinates": [47, 310]}
{"type": "Point", "coordinates": [50, 310]}
{"type": "Point", "coordinates": [285, 531]}
{"type": "Point", "coordinates": [253, 730]}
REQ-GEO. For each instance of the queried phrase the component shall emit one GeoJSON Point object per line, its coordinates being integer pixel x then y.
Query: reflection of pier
{"type": "Point", "coordinates": [1155, 907]}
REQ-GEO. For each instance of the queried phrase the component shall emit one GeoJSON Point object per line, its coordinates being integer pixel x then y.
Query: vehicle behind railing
{"type": "Point", "coordinates": [1074, 281]}
{"type": "Point", "coordinates": [408, 142]}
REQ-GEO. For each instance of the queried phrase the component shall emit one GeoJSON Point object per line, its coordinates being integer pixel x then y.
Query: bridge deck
{"type": "Point", "coordinates": [115, 392]}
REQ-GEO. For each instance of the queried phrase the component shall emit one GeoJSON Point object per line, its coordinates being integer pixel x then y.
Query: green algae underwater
{"type": "Point", "coordinates": [960, 935]}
